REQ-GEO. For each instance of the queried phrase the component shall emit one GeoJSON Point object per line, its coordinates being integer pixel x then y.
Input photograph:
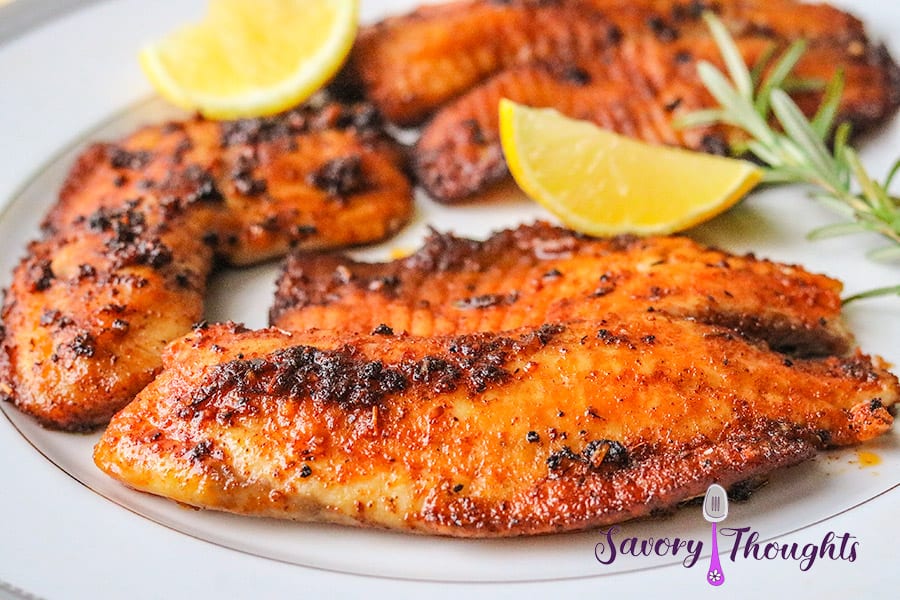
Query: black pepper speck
{"type": "Point", "coordinates": [382, 330]}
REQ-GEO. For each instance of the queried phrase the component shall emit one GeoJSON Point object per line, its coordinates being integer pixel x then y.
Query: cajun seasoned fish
{"type": "Point", "coordinates": [412, 64]}
{"type": "Point", "coordinates": [537, 430]}
{"type": "Point", "coordinates": [640, 88]}
{"type": "Point", "coordinates": [122, 267]}
{"type": "Point", "coordinates": [537, 274]}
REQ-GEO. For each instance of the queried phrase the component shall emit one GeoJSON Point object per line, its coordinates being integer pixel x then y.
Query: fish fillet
{"type": "Point", "coordinates": [122, 267]}
{"type": "Point", "coordinates": [411, 65]}
{"type": "Point", "coordinates": [640, 88]}
{"type": "Point", "coordinates": [536, 274]}
{"type": "Point", "coordinates": [538, 430]}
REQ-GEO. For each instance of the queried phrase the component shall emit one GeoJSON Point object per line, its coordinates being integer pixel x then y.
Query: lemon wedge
{"type": "Point", "coordinates": [252, 57]}
{"type": "Point", "coordinates": [601, 183]}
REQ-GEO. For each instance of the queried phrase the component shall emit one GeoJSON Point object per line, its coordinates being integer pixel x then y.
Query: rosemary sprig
{"type": "Point", "coordinates": [795, 150]}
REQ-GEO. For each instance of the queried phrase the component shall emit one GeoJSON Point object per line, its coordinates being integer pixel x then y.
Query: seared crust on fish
{"type": "Point", "coordinates": [122, 267]}
{"type": "Point", "coordinates": [537, 430]}
{"type": "Point", "coordinates": [411, 65]}
{"type": "Point", "coordinates": [537, 274]}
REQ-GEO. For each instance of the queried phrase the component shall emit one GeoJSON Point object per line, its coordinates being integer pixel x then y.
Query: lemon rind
{"type": "Point", "coordinates": [309, 77]}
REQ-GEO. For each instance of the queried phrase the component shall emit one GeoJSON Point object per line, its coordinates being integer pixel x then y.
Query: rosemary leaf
{"type": "Point", "coordinates": [836, 205]}
{"type": "Point", "coordinates": [762, 63]}
{"type": "Point", "coordinates": [835, 230]}
{"type": "Point", "coordinates": [785, 174]}
{"type": "Point", "coordinates": [841, 138]}
{"type": "Point", "coordinates": [734, 62]}
{"type": "Point", "coordinates": [776, 77]}
{"type": "Point", "coordinates": [803, 84]}
{"type": "Point", "coordinates": [886, 254]}
{"type": "Point", "coordinates": [735, 110]}
{"type": "Point", "coordinates": [890, 177]}
{"type": "Point", "coordinates": [824, 119]}
{"type": "Point", "coordinates": [801, 132]}
{"type": "Point", "coordinates": [872, 192]}
{"type": "Point", "coordinates": [701, 118]}
{"type": "Point", "coordinates": [893, 290]}
{"type": "Point", "coordinates": [762, 152]}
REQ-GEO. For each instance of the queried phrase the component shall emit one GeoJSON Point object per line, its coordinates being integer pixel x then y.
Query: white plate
{"type": "Point", "coordinates": [74, 103]}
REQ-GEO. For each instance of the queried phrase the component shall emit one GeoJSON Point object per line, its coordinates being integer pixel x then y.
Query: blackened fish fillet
{"type": "Point", "coordinates": [538, 430]}
{"type": "Point", "coordinates": [538, 274]}
{"type": "Point", "coordinates": [122, 267]}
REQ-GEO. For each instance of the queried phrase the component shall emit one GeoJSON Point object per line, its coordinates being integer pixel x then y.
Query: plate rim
{"type": "Point", "coordinates": [19, 17]}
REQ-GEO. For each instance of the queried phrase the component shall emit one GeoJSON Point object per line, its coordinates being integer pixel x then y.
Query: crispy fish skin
{"type": "Point", "coordinates": [640, 89]}
{"type": "Point", "coordinates": [539, 430]}
{"type": "Point", "coordinates": [539, 273]}
{"type": "Point", "coordinates": [411, 65]}
{"type": "Point", "coordinates": [122, 267]}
